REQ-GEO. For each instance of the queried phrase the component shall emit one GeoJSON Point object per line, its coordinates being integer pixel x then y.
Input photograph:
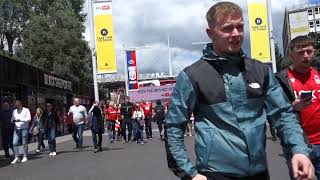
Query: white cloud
{"type": "Point", "coordinates": [148, 22]}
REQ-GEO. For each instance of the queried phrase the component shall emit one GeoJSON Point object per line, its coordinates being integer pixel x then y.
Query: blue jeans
{"type": "Point", "coordinates": [140, 134]}
{"type": "Point", "coordinates": [316, 159]}
{"type": "Point", "coordinates": [78, 134]}
{"type": "Point", "coordinates": [135, 128]}
{"type": "Point", "coordinates": [51, 135]}
{"type": "Point", "coordinates": [111, 130]}
{"type": "Point", "coordinates": [17, 135]}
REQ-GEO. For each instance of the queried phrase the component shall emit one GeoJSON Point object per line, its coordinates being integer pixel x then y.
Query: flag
{"type": "Point", "coordinates": [132, 70]}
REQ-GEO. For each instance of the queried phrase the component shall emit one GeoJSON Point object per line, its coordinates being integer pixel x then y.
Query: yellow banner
{"type": "Point", "coordinates": [104, 38]}
{"type": "Point", "coordinates": [259, 30]}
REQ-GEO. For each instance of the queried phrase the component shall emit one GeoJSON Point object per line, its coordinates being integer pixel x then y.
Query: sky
{"type": "Point", "coordinates": [139, 23]}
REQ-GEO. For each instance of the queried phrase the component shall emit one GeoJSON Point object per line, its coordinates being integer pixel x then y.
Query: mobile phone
{"type": "Point", "coordinates": [306, 94]}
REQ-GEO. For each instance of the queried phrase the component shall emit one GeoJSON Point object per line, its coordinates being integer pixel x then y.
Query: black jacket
{"type": "Point", "coordinates": [284, 81]}
{"type": "Point", "coordinates": [126, 110]}
{"type": "Point", "coordinates": [51, 121]}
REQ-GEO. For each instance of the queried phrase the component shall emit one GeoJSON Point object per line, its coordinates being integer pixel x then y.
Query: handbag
{"type": "Point", "coordinates": [35, 131]}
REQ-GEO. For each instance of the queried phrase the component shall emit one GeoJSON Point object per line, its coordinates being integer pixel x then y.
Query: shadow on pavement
{"type": "Point", "coordinates": [6, 162]}
{"type": "Point", "coordinates": [87, 150]}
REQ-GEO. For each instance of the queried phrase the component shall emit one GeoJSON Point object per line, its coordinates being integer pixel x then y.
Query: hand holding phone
{"type": "Point", "coordinates": [305, 94]}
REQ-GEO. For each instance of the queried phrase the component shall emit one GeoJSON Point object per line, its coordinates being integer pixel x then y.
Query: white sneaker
{"type": "Point", "coordinates": [16, 160]}
{"type": "Point", "coordinates": [54, 154]}
{"type": "Point", "coordinates": [24, 159]}
{"type": "Point", "coordinates": [51, 154]}
{"type": "Point", "coordinates": [37, 150]}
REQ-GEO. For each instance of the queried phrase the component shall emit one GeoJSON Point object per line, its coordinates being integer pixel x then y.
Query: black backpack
{"type": "Point", "coordinates": [159, 112]}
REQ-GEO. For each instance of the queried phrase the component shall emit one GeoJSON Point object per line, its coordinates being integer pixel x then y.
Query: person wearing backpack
{"type": "Point", "coordinates": [158, 116]}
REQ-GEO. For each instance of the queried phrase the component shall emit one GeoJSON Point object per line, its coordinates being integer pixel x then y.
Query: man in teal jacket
{"type": "Point", "coordinates": [230, 96]}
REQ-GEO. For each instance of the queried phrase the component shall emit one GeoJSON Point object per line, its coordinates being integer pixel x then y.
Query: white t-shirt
{"type": "Point", "coordinates": [24, 116]}
{"type": "Point", "coordinates": [79, 113]}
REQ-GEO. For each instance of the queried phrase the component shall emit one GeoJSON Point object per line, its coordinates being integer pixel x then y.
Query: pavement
{"type": "Point", "coordinates": [118, 161]}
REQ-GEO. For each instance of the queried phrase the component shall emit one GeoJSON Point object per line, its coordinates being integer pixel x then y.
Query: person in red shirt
{"type": "Point", "coordinates": [301, 84]}
{"type": "Point", "coordinates": [111, 118]}
{"type": "Point", "coordinates": [147, 110]}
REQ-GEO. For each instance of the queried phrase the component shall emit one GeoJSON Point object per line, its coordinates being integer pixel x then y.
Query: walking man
{"type": "Point", "coordinates": [80, 118]}
{"type": "Point", "coordinates": [21, 117]}
{"type": "Point", "coordinates": [230, 96]}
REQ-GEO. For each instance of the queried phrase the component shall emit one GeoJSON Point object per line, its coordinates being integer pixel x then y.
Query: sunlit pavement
{"type": "Point", "coordinates": [118, 161]}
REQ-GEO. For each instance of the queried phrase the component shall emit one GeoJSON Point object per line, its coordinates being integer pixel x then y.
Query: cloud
{"type": "Point", "coordinates": [149, 22]}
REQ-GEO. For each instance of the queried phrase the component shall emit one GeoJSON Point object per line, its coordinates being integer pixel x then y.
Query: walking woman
{"type": "Point", "coordinates": [37, 129]}
{"type": "Point", "coordinates": [138, 117]}
{"type": "Point", "coordinates": [97, 126]}
{"type": "Point", "coordinates": [50, 123]}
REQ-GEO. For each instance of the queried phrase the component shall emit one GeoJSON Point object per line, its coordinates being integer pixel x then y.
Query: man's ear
{"type": "Point", "coordinates": [210, 32]}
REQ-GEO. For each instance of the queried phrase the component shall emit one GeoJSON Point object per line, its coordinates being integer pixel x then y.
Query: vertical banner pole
{"type": "Point", "coordinates": [93, 54]}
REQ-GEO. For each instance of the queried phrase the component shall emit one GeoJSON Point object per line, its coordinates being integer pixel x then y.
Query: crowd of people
{"type": "Point", "coordinates": [127, 122]}
{"type": "Point", "coordinates": [228, 95]}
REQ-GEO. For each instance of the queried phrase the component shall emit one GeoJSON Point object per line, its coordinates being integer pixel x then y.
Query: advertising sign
{"type": "Point", "coordinates": [151, 93]}
{"type": "Point", "coordinates": [299, 25]}
{"type": "Point", "coordinates": [259, 30]}
{"type": "Point", "coordinates": [104, 38]}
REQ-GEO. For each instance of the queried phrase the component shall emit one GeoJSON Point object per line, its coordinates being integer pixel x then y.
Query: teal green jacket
{"type": "Point", "coordinates": [230, 98]}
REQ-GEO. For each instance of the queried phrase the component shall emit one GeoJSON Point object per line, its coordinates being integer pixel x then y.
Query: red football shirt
{"type": "Point", "coordinates": [147, 108]}
{"type": "Point", "coordinates": [310, 116]}
{"type": "Point", "coordinates": [111, 113]}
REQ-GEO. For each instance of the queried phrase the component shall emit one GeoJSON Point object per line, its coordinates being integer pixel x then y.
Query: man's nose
{"type": "Point", "coordinates": [235, 32]}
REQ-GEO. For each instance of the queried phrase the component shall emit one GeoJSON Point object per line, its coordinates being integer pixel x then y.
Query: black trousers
{"type": "Point", "coordinates": [94, 138]}
{"type": "Point", "coordinates": [220, 176]}
{"type": "Point", "coordinates": [148, 126]}
{"type": "Point", "coordinates": [127, 123]}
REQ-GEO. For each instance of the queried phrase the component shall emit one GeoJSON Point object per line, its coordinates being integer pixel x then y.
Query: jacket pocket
{"type": "Point", "coordinates": [203, 146]}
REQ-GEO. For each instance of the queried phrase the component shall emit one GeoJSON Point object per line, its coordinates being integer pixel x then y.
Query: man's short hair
{"type": "Point", "coordinates": [301, 41]}
{"type": "Point", "coordinates": [222, 8]}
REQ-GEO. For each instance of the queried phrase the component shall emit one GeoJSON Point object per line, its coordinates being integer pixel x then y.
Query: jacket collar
{"type": "Point", "coordinates": [209, 54]}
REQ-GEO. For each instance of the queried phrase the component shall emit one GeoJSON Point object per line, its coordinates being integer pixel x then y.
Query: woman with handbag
{"type": "Point", "coordinates": [37, 129]}
{"type": "Point", "coordinates": [138, 117]}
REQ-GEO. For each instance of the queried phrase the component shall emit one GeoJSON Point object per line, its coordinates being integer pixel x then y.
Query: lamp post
{"type": "Point", "coordinates": [93, 53]}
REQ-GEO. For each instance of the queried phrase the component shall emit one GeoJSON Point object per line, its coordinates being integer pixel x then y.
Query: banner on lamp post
{"type": "Point", "coordinates": [132, 70]}
{"type": "Point", "coordinates": [259, 30]}
{"type": "Point", "coordinates": [104, 38]}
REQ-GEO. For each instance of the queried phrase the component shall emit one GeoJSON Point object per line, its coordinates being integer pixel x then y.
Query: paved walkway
{"type": "Point", "coordinates": [117, 162]}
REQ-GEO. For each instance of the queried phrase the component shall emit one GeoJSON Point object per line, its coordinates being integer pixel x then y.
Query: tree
{"type": "Point", "coordinates": [316, 37]}
{"type": "Point", "coordinates": [53, 41]}
{"type": "Point", "coordinates": [281, 62]}
{"type": "Point", "coordinates": [14, 16]}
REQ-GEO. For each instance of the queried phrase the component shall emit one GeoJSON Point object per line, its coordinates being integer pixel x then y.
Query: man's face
{"type": "Point", "coordinates": [76, 102]}
{"type": "Point", "coordinates": [302, 57]}
{"type": "Point", "coordinates": [18, 104]}
{"type": "Point", "coordinates": [227, 34]}
{"type": "Point", "coordinates": [49, 107]}
{"type": "Point", "coordinates": [127, 100]}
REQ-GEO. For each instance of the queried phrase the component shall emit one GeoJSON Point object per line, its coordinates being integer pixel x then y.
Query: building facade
{"type": "Point", "coordinates": [300, 20]}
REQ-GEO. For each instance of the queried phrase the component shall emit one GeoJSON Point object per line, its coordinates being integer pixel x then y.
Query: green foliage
{"type": "Point", "coordinates": [316, 37]}
{"type": "Point", "coordinates": [282, 62]}
{"type": "Point", "coordinates": [14, 16]}
{"type": "Point", "coordinates": [49, 36]}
